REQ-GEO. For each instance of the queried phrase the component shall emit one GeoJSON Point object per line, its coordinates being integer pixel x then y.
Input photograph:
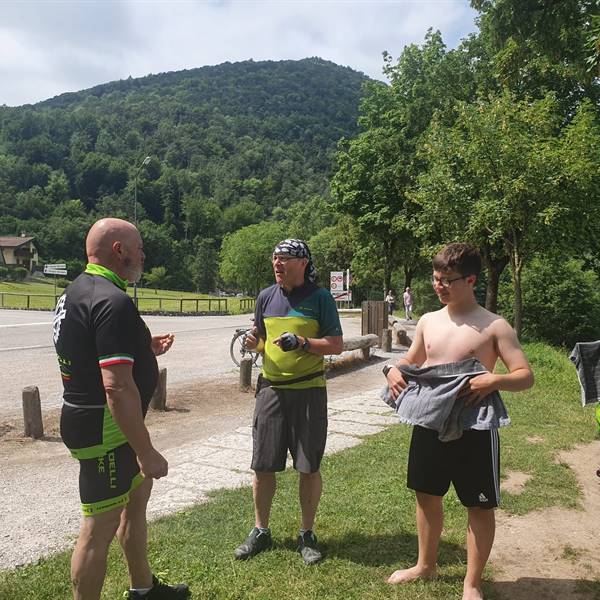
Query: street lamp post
{"type": "Point", "coordinates": [135, 180]}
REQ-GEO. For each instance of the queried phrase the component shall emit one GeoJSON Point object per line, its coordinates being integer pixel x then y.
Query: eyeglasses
{"type": "Point", "coordinates": [444, 281]}
{"type": "Point", "coordinates": [283, 259]}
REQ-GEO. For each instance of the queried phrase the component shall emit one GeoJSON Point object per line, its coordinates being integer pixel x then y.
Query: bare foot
{"type": "Point", "coordinates": [472, 593]}
{"type": "Point", "coordinates": [406, 575]}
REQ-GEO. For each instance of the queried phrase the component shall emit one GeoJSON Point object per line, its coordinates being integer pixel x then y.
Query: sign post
{"type": "Point", "coordinates": [339, 286]}
{"type": "Point", "coordinates": [55, 269]}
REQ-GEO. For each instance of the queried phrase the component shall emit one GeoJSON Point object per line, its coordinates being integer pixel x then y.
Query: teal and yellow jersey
{"type": "Point", "coordinates": [308, 311]}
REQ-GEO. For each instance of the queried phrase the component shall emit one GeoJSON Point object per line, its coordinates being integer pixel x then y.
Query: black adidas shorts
{"type": "Point", "coordinates": [471, 464]}
{"type": "Point", "coordinates": [289, 419]}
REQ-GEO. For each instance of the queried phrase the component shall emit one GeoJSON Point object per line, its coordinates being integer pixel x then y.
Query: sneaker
{"type": "Point", "coordinates": [256, 542]}
{"type": "Point", "coordinates": [307, 546]}
{"type": "Point", "coordinates": [162, 591]}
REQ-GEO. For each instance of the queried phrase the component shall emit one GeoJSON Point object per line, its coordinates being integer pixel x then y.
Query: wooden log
{"type": "Point", "coordinates": [246, 374]}
{"type": "Point", "coordinates": [32, 412]}
{"type": "Point", "coordinates": [159, 398]}
{"type": "Point", "coordinates": [360, 342]}
{"type": "Point", "coordinates": [386, 340]}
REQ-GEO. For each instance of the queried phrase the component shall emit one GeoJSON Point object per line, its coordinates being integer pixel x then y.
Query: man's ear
{"type": "Point", "coordinates": [116, 247]}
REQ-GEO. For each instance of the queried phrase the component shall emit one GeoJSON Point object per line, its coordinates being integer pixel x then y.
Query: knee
{"type": "Point", "coordinates": [264, 477]}
{"type": "Point", "coordinates": [98, 532]}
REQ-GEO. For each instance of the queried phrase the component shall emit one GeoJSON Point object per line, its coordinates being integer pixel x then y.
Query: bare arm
{"type": "Point", "coordinates": [416, 355]}
{"type": "Point", "coordinates": [123, 400]}
{"type": "Point", "coordinates": [519, 376]}
{"type": "Point", "coordinates": [330, 344]}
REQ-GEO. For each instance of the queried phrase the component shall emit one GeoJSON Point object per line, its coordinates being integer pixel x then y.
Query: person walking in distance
{"type": "Point", "coordinates": [107, 360]}
{"type": "Point", "coordinates": [391, 302]}
{"type": "Point", "coordinates": [296, 325]}
{"type": "Point", "coordinates": [462, 334]}
{"type": "Point", "coordinates": [408, 303]}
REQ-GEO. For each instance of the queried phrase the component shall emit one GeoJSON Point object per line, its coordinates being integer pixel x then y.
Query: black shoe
{"type": "Point", "coordinates": [162, 591]}
{"type": "Point", "coordinates": [307, 546]}
{"type": "Point", "coordinates": [256, 542]}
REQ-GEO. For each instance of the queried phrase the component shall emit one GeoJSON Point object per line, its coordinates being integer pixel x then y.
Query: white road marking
{"type": "Point", "coordinates": [25, 324]}
{"type": "Point", "coordinates": [25, 348]}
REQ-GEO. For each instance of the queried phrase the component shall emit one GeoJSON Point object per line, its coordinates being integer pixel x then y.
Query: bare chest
{"type": "Point", "coordinates": [449, 342]}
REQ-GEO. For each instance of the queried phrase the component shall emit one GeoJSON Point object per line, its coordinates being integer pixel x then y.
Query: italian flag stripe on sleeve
{"type": "Point", "coordinates": [115, 359]}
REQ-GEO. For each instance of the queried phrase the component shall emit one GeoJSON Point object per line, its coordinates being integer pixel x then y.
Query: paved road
{"type": "Point", "coordinates": [27, 355]}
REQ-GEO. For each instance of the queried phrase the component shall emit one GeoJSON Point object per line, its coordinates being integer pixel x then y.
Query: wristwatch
{"type": "Point", "coordinates": [305, 345]}
{"type": "Point", "coordinates": [386, 369]}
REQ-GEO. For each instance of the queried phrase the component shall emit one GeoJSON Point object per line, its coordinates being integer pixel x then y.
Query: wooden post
{"type": "Point", "coordinates": [32, 412]}
{"type": "Point", "coordinates": [159, 398]}
{"type": "Point", "coordinates": [386, 340]}
{"type": "Point", "coordinates": [246, 374]}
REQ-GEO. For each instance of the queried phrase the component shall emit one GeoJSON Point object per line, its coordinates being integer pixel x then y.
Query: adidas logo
{"type": "Point", "coordinates": [482, 498]}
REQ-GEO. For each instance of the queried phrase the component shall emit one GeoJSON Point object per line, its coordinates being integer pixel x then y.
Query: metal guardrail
{"type": "Point", "coordinates": [144, 303]}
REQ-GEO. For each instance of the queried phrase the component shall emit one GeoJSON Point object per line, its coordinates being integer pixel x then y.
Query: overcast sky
{"type": "Point", "coordinates": [50, 47]}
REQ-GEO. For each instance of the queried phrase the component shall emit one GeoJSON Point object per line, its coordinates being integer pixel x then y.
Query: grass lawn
{"type": "Point", "coordinates": [366, 518]}
{"type": "Point", "coordinates": [42, 297]}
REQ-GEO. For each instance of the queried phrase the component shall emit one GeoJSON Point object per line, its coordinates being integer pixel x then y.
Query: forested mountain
{"type": "Point", "coordinates": [228, 146]}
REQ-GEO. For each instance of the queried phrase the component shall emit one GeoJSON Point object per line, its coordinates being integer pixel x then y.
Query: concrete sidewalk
{"type": "Point", "coordinates": [223, 461]}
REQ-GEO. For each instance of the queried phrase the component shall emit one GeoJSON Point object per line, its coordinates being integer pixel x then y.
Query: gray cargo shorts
{"type": "Point", "coordinates": [294, 420]}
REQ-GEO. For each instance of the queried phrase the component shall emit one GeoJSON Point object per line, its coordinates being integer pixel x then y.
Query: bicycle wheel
{"type": "Point", "coordinates": [236, 348]}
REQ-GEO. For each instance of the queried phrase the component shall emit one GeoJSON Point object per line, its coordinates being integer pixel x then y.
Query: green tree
{"type": "Point", "coordinates": [508, 177]}
{"type": "Point", "coordinates": [246, 256]}
{"type": "Point", "coordinates": [377, 169]}
{"type": "Point", "coordinates": [156, 277]}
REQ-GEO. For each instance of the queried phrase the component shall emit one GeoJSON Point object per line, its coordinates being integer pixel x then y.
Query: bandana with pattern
{"type": "Point", "coordinates": [298, 249]}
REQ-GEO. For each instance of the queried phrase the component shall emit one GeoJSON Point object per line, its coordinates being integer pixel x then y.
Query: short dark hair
{"type": "Point", "coordinates": [460, 257]}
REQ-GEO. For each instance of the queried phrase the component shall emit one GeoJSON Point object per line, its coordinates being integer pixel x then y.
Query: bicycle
{"type": "Point", "coordinates": [237, 350]}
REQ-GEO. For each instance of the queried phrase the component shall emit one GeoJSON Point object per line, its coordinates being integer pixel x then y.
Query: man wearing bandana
{"type": "Point", "coordinates": [296, 325]}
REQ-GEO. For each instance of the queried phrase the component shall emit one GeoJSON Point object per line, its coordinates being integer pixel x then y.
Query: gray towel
{"type": "Point", "coordinates": [586, 358]}
{"type": "Point", "coordinates": [431, 399]}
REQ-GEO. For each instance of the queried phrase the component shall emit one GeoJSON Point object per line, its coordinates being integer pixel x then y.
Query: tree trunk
{"type": "Point", "coordinates": [494, 267]}
{"type": "Point", "coordinates": [408, 276]}
{"type": "Point", "coordinates": [517, 267]}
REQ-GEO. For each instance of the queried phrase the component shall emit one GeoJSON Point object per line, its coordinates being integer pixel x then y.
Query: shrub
{"type": "Point", "coordinates": [19, 273]}
{"type": "Point", "coordinates": [561, 302]}
{"type": "Point", "coordinates": [3, 273]}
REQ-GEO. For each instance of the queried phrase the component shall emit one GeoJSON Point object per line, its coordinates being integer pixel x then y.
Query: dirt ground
{"type": "Point", "coordinates": [548, 555]}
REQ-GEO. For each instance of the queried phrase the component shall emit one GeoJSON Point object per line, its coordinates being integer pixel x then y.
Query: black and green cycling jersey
{"type": "Point", "coordinates": [96, 325]}
{"type": "Point", "coordinates": [308, 311]}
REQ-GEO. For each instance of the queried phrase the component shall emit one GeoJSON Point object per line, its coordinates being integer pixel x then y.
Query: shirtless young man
{"type": "Point", "coordinates": [460, 330]}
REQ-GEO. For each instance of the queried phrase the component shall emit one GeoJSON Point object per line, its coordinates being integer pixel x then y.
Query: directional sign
{"type": "Point", "coordinates": [54, 271]}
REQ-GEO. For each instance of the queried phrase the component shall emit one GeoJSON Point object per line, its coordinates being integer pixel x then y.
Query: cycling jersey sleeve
{"type": "Point", "coordinates": [115, 323]}
{"type": "Point", "coordinates": [329, 320]}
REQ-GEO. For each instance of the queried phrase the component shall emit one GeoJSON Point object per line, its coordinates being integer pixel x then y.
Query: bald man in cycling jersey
{"type": "Point", "coordinates": [107, 360]}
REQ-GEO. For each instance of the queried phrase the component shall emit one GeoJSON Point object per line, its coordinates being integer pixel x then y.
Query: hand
{"type": "Point", "coordinates": [287, 341]}
{"type": "Point", "coordinates": [396, 382]}
{"type": "Point", "coordinates": [250, 340]}
{"type": "Point", "coordinates": [153, 464]}
{"type": "Point", "coordinates": [477, 388]}
{"type": "Point", "coordinates": [162, 343]}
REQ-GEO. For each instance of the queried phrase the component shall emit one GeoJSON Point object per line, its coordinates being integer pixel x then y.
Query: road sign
{"type": "Point", "coordinates": [54, 271]}
{"type": "Point", "coordinates": [336, 281]}
{"type": "Point", "coordinates": [55, 266]}
{"type": "Point", "coordinates": [340, 296]}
